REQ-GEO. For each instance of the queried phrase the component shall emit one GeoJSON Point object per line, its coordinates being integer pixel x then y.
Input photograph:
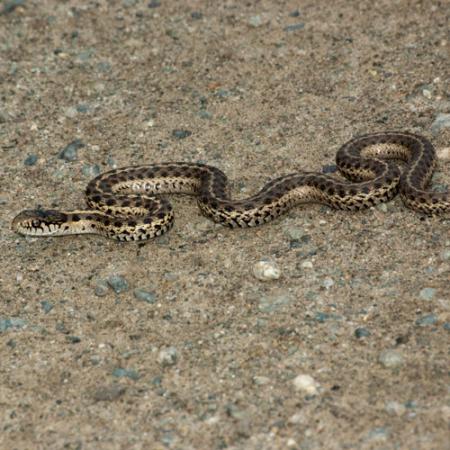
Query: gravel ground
{"type": "Point", "coordinates": [323, 329]}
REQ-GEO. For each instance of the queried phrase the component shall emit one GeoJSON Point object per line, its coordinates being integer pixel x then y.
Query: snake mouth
{"type": "Point", "coordinates": [38, 222]}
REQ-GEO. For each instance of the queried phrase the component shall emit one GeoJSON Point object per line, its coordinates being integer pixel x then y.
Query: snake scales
{"type": "Point", "coordinates": [125, 203]}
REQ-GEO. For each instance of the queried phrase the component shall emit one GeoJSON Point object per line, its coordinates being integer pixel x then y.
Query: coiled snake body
{"type": "Point", "coordinates": [125, 203]}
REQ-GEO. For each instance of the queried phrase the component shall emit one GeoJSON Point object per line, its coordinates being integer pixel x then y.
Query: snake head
{"type": "Point", "coordinates": [39, 222]}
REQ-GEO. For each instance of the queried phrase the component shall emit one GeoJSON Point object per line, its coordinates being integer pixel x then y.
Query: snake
{"type": "Point", "coordinates": [128, 203]}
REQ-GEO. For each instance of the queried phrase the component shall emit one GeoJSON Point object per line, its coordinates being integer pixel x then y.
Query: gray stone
{"type": "Point", "coordinates": [70, 152]}
{"type": "Point", "coordinates": [31, 160]}
{"type": "Point", "coordinates": [118, 283]}
{"type": "Point", "coordinates": [427, 293]}
{"type": "Point", "coordinates": [144, 295]}
{"type": "Point", "coordinates": [391, 359]}
{"type": "Point", "coordinates": [128, 373]}
{"type": "Point", "coordinates": [362, 332]}
{"type": "Point", "coordinates": [429, 319]}
{"type": "Point", "coordinates": [46, 306]}
{"type": "Point", "coordinates": [10, 5]}
{"type": "Point", "coordinates": [441, 121]}
{"type": "Point", "coordinates": [168, 356]}
{"type": "Point", "coordinates": [11, 322]}
{"type": "Point", "coordinates": [294, 27]}
{"type": "Point", "coordinates": [90, 170]}
{"type": "Point", "coordinates": [101, 289]}
{"type": "Point", "coordinates": [181, 134]}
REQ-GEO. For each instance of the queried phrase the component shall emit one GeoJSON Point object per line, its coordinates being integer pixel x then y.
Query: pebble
{"type": "Point", "coordinates": [203, 114]}
{"type": "Point", "coordinates": [109, 393]}
{"type": "Point", "coordinates": [154, 4]}
{"type": "Point", "coordinates": [82, 108]}
{"type": "Point", "coordinates": [30, 160]}
{"type": "Point", "coordinates": [295, 27]}
{"type": "Point", "coordinates": [378, 434]}
{"type": "Point", "coordinates": [391, 359]}
{"type": "Point", "coordinates": [427, 293]}
{"type": "Point", "coordinates": [255, 21]}
{"type": "Point", "coordinates": [260, 380]}
{"type": "Point", "coordinates": [128, 373]}
{"type": "Point", "coordinates": [70, 112]}
{"type": "Point", "coordinates": [144, 295]}
{"type": "Point", "coordinates": [118, 283]}
{"type": "Point", "coordinates": [297, 234]}
{"type": "Point", "coordinates": [306, 384]}
{"type": "Point", "coordinates": [90, 170]}
{"type": "Point", "coordinates": [168, 356]}
{"type": "Point", "coordinates": [295, 13]}
{"type": "Point", "coordinates": [298, 418]}
{"type": "Point", "coordinates": [95, 360]}
{"type": "Point", "coordinates": [327, 283]}
{"type": "Point", "coordinates": [441, 121]}
{"type": "Point", "coordinates": [111, 162]}
{"type": "Point", "coordinates": [443, 153]}
{"type": "Point", "coordinates": [273, 303]}
{"type": "Point", "coordinates": [322, 317]}
{"type": "Point", "coordinates": [12, 322]}
{"type": "Point", "coordinates": [101, 289]}
{"type": "Point", "coordinates": [331, 168]}
{"type": "Point", "coordinates": [222, 93]}
{"type": "Point", "coordinates": [104, 66]}
{"type": "Point", "coordinates": [236, 412]}
{"type": "Point", "coordinates": [395, 408]}
{"type": "Point", "coordinates": [446, 326]}
{"type": "Point", "coordinates": [73, 339]}
{"type": "Point", "coordinates": [196, 15]}
{"type": "Point", "coordinates": [429, 319]}
{"type": "Point", "coordinates": [11, 5]}
{"type": "Point", "coordinates": [85, 55]}
{"type": "Point", "coordinates": [266, 270]}
{"type": "Point", "coordinates": [46, 306]}
{"type": "Point", "coordinates": [362, 332]}
{"type": "Point", "coordinates": [383, 207]}
{"type": "Point", "coordinates": [181, 134]}
{"type": "Point", "coordinates": [69, 153]}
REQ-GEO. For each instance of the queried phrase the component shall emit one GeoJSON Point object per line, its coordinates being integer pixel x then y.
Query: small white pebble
{"type": "Point", "coordinates": [395, 408]}
{"type": "Point", "coordinates": [266, 270]}
{"type": "Point", "coordinates": [168, 356]}
{"type": "Point", "coordinates": [327, 283]}
{"type": "Point", "coordinates": [298, 418]}
{"type": "Point", "coordinates": [260, 380]}
{"type": "Point", "coordinates": [71, 112]}
{"type": "Point", "coordinates": [443, 153]}
{"type": "Point", "coordinates": [307, 264]}
{"type": "Point", "coordinates": [426, 93]}
{"type": "Point", "coordinates": [306, 384]}
{"type": "Point", "coordinates": [391, 359]}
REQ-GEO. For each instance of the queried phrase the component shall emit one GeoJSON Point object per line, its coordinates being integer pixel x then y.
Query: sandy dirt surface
{"type": "Point", "coordinates": [175, 343]}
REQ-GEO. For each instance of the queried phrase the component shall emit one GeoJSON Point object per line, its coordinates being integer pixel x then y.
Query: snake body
{"type": "Point", "coordinates": [125, 203]}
